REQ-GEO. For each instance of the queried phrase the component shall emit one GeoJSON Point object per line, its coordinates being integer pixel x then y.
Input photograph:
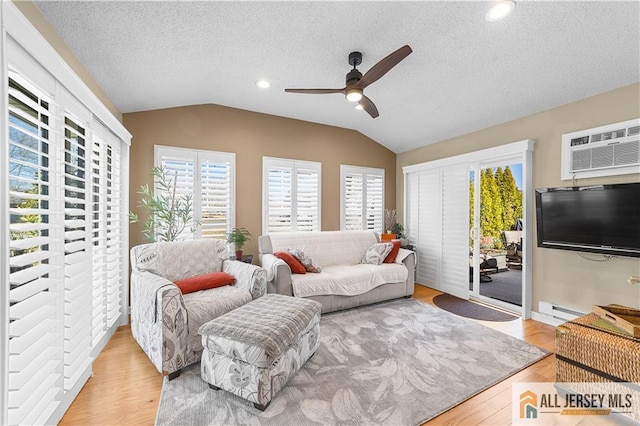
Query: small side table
{"type": "Point", "coordinates": [248, 258]}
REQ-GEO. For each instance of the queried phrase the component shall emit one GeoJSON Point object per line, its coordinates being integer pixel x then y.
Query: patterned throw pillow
{"type": "Point", "coordinates": [376, 254]}
{"type": "Point", "coordinates": [307, 262]}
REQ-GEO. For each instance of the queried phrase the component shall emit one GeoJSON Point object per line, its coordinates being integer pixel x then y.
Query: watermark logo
{"type": "Point", "coordinates": [528, 405]}
{"type": "Point", "coordinates": [545, 403]}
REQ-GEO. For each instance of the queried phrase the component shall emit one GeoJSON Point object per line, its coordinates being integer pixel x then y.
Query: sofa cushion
{"type": "Point", "coordinates": [348, 280]}
{"type": "Point", "coordinates": [376, 254]}
{"type": "Point", "coordinates": [205, 305]}
{"type": "Point", "coordinates": [294, 264]}
{"type": "Point", "coordinates": [204, 282]}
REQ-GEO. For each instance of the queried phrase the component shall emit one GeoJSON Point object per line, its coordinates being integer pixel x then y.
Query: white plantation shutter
{"type": "Point", "coordinates": [307, 192]}
{"type": "Point", "coordinates": [362, 198]}
{"type": "Point", "coordinates": [291, 195]}
{"type": "Point", "coordinates": [180, 166]}
{"type": "Point", "coordinates": [455, 230]}
{"type": "Point", "coordinates": [48, 258]}
{"type": "Point", "coordinates": [353, 203]}
{"type": "Point", "coordinates": [107, 224]}
{"type": "Point", "coordinates": [216, 195]}
{"type": "Point", "coordinates": [375, 201]}
{"type": "Point", "coordinates": [437, 217]}
{"type": "Point", "coordinates": [423, 209]}
{"type": "Point", "coordinates": [280, 188]}
{"type": "Point", "coordinates": [77, 255]}
{"type": "Point", "coordinates": [209, 177]}
{"type": "Point", "coordinates": [99, 241]}
{"type": "Point", "coordinates": [35, 259]}
{"type": "Point", "coordinates": [114, 226]}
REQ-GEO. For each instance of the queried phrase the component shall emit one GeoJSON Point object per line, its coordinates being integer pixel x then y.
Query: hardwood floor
{"type": "Point", "coordinates": [125, 387]}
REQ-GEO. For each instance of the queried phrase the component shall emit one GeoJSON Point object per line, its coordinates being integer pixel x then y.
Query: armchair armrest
{"type": "Point", "coordinates": [159, 320]}
{"type": "Point", "coordinates": [250, 277]}
{"type": "Point", "coordinates": [278, 275]}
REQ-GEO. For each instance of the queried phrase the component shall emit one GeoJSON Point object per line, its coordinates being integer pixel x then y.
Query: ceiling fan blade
{"type": "Point", "coordinates": [368, 105]}
{"type": "Point", "coordinates": [382, 67]}
{"type": "Point", "coordinates": [316, 91]}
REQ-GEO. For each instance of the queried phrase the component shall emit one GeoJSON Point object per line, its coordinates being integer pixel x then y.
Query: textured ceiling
{"type": "Point", "coordinates": [464, 74]}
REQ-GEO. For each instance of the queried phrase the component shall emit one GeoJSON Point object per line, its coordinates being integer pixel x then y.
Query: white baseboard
{"type": "Point", "coordinates": [547, 319]}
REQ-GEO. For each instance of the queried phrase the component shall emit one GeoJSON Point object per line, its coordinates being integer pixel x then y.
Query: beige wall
{"type": "Point", "coordinates": [559, 276]}
{"type": "Point", "coordinates": [251, 136]}
{"type": "Point", "coordinates": [32, 13]}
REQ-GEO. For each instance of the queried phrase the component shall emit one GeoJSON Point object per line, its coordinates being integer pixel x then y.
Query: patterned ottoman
{"type": "Point", "coordinates": [255, 349]}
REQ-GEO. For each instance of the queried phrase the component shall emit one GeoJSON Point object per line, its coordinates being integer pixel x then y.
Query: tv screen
{"type": "Point", "coordinates": [599, 219]}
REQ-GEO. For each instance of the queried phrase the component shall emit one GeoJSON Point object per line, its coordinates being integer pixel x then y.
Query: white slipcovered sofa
{"type": "Point", "coordinates": [164, 321]}
{"type": "Point", "coordinates": [344, 282]}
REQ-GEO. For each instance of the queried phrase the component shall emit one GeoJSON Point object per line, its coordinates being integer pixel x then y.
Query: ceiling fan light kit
{"type": "Point", "coordinates": [354, 94]}
{"type": "Point", "coordinates": [356, 82]}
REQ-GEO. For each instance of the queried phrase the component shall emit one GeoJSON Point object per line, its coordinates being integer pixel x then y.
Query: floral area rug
{"type": "Point", "coordinates": [397, 363]}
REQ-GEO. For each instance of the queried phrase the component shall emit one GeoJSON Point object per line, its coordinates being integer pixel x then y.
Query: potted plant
{"type": "Point", "coordinates": [169, 213]}
{"type": "Point", "coordinates": [389, 220]}
{"type": "Point", "coordinates": [237, 237]}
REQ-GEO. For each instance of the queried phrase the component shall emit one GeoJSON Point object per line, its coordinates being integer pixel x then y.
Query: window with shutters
{"type": "Point", "coordinates": [106, 226]}
{"type": "Point", "coordinates": [291, 195]}
{"type": "Point", "coordinates": [64, 258]}
{"type": "Point", "coordinates": [35, 258]}
{"type": "Point", "coordinates": [209, 177]}
{"type": "Point", "coordinates": [361, 198]}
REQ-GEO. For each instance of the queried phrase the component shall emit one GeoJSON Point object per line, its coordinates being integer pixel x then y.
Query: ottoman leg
{"type": "Point", "coordinates": [213, 387]}
{"type": "Point", "coordinates": [260, 406]}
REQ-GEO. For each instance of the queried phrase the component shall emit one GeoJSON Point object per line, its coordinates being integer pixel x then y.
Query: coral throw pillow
{"type": "Point", "coordinates": [391, 257]}
{"type": "Point", "coordinates": [294, 264]}
{"type": "Point", "coordinates": [205, 282]}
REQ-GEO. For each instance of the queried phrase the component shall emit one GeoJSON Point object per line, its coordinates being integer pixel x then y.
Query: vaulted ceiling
{"type": "Point", "coordinates": [464, 73]}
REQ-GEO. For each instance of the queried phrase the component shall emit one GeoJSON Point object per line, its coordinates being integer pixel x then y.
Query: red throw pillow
{"type": "Point", "coordinates": [204, 282]}
{"type": "Point", "coordinates": [294, 264]}
{"type": "Point", "coordinates": [391, 257]}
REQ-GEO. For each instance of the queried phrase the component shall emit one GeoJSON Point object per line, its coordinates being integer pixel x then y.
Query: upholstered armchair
{"type": "Point", "coordinates": [164, 321]}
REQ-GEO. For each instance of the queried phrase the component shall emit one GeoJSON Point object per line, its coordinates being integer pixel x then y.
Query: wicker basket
{"type": "Point", "coordinates": [585, 353]}
{"type": "Point", "coordinates": [588, 353]}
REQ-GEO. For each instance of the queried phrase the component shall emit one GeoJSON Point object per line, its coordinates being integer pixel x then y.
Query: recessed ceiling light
{"type": "Point", "coordinates": [500, 10]}
{"type": "Point", "coordinates": [263, 84]}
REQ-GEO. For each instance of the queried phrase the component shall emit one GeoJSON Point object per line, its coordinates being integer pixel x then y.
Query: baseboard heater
{"type": "Point", "coordinates": [558, 312]}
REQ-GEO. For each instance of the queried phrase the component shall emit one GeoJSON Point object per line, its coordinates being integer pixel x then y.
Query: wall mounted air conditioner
{"type": "Point", "coordinates": [608, 150]}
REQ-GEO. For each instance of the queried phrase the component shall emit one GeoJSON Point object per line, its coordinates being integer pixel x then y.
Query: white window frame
{"type": "Point", "coordinates": [294, 165]}
{"type": "Point", "coordinates": [198, 156]}
{"type": "Point", "coordinates": [346, 170]}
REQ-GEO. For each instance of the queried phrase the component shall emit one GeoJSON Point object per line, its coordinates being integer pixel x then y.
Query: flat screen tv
{"type": "Point", "coordinates": [599, 219]}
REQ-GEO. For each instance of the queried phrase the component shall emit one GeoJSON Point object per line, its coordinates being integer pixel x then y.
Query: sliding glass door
{"type": "Point", "coordinates": [496, 232]}
{"type": "Point", "coordinates": [461, 241]}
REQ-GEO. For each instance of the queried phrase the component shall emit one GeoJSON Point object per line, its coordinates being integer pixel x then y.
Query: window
{"type": "Point", "coordinates": [210, 177]}
{"type": "Point", "coordinates": [291, 195]}
{"type": "Point", "coordinates": [361, 198]}
{"type": "Point", "coordinates": [63, 296]}
{"type": "Point", "coordinates": [65, 212]}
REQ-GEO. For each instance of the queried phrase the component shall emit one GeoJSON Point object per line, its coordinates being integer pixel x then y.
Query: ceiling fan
{"type": "Point", "coordinates": [356, 82]}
